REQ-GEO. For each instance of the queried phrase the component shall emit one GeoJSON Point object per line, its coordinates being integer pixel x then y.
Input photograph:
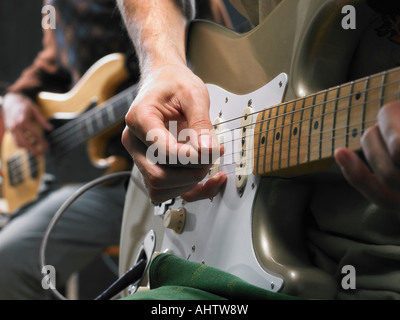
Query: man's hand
{"type": "Point", "coordinates": [173, 94]}
{"type": "Point", "coordinates": [22, 117]}
{"type": "Point", "coordinates": [381, 147]}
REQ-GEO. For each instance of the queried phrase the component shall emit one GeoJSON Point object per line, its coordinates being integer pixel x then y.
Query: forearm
{"type": "Point", "coordinates": [158, 30]}
{"type": "Point", "coordinates": [44, 73]}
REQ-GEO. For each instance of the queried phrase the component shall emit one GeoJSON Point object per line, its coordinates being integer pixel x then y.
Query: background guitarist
{"type": "Point", "coordinates": [353, 219]}
{"type": "Point", "coordinates": [86, 30]}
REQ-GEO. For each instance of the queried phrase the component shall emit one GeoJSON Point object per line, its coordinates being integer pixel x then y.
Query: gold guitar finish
{"type": "Point", "coordinates": [97, 86]}
{"type": "Point", "coordinates": [305, 40]}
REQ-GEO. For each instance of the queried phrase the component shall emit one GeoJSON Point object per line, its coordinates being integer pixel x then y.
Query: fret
{"type": "Point", "coordinates": [290, 133]}
{"type": "Point", "coordinates": [341, 121]}
{"type": "Point", "coordinates": [310, 125]}
{"type": "Point", "coordinates": [351, 85]}
{"type": "Point", "coordinates": [111, 114]}
{"type": "Point", "coordinates": [299, 122]}
{"type": "Point", "coordinates": [356, 114]}
{"type": "Point", "coordinates": [383, 88]}
{"type": "Point", "coordinates": [104, 117]}
{"type": "Point", "coordinates": [316, 125]}
{"type": "Point", "coordinates": [283, 138]}
{"type": "Point", "coordinates": [321, 123]}
{"type": "Point", "coordinates": [99, 121]}
{"type": "Point", "coordinates": [373, 100]}
{"type": "Point", "coordinates": [391, 89]}
{"type": "Point", "coordinates": [94, 124]}
{"type": "Point", "coordinates": [277, 137]}
{"type": "Point", "coordinates": [305, 129]}
{"type": "Point", "coordinates": [365, 91]}
{"type": "Point", "coordinates": [328, 123]}
{"type": "Point", "coordinates": [267, 137]}
{"type": "Point", "coordinates": [260, 140]}
{"type": "Point", "coordinates": [271, 137]}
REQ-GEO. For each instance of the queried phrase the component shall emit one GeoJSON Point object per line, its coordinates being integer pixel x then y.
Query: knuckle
{"type": "Point", "coordinates": [155, 179]}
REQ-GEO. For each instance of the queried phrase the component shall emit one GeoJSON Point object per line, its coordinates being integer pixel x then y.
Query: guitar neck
{"type": "Point", "coordinates": [97, 120]}
{"type": "Point", "coordinates": [297, 136]}
{"type": "Point", "coordinates": [92, 123]}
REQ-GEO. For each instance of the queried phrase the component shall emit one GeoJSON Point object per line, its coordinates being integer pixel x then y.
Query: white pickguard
{"type": "Point", "coordinates": [218, 231]}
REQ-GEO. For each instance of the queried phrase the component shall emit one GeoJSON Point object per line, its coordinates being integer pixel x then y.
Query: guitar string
{"type": "Point", "coordinates": [299, 137]}
{"type": "Point", "coordinates": [276, 106]}
{"type": "Point", "coordinates": [63, 133]}
{"type": "Point", "coordinates": [335, 100]}
{"type": "Point", "coordinates": [282, 151]}
{"type": "Point", "coordinates": [309, 107]}
{"type": "Point", "coordinates": [309, 153]}
{"type": "Point", "coordinates": [313, 96]}
{"type": "Point", "coordinates": [281, 128]}
{"type": "Point", "coordinates": [23, 163]}
{"type": "Point", "coordinates": [281, 160]}
{"type": "Point", "coordinates": [295, 124]}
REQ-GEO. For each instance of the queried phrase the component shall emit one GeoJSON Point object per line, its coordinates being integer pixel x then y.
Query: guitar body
{"type": "Point", "coordinates": [23, 173]}
{"type": "Point", "coordinates": [280, 60]}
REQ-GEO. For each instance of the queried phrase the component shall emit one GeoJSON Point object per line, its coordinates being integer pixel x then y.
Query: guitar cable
{"type": "Point", "coordinates": [131, 276]}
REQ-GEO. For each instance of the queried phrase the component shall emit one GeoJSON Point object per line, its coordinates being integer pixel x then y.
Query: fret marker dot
{"type": "Point", "coordinates": [262, 140]}
{"type": "Point", "coordinates": [295, 131]}
{"type": "Point", "coordinates": [278, 136]}
{"type": "Point", "coordinates": [358, 96]}
{"type": "Point", "coordinates": [354, 133]}
{"type": "Point", "coordinates": [316, 125]}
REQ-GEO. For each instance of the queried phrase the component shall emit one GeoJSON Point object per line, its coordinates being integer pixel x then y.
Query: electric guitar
{"type": "Point", "coordinates": [85, 119]}
{"type": "Point", "coordinates": [274, 117]}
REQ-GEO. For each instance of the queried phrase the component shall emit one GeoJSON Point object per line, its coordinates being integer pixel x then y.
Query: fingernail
{"type": "Point", "coordinates": [218, 178]}
{"type": "Point", "coordinates": [207, 141]}
{"type": "Point", "coordinates": [342, 159]}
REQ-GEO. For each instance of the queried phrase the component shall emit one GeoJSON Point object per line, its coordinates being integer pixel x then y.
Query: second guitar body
{"type": "Point", "coordinates": [88, 123]}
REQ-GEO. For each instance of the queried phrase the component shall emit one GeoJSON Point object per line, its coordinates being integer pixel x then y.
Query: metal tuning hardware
{"type": "Point", "coordinates": [243, 162]}
{"type": "Point", "coordinates": [219, 129]}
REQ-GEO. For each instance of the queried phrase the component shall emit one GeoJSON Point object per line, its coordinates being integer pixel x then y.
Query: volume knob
{"type": "Point", "coordinates": [175, 220]}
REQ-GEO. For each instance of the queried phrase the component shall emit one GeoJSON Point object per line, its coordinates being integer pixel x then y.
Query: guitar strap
{"type": "Point", "coordinates": [171, 276]}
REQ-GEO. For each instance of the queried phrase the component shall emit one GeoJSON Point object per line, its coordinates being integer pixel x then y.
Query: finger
{"type": "Point", "coordinates": [207, 190]}
{"type": "Point", "coordinates": [361, 178]}
{"type": "Point", "coordinates": [389, 125]}
{"type": "Point", "coordinates": [160, 177]}
{"type": "Point", "coordinates": [29, 144]}
{"type": "Point", "coordinates": [41, 119]}
{"type": "Point", "coordinates": [34, 133]}
{"type": "Point", "coordinates": [198, 118]}
{"type": "Point", "coordinates": [148, 126]}
{"type": "Point", "coordinates": [379, 159]}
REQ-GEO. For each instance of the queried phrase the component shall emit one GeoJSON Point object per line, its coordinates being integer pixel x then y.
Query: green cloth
{"type": "Point", "coordinates": [173, 278]}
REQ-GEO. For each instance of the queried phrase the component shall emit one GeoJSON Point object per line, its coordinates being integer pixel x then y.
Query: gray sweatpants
{"type": "Point", "coordinates": [90, 225]}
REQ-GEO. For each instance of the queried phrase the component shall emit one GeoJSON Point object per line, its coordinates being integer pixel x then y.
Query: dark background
{"type": "Point", "coordinates": [20, 41]}
{"type": "Point", "coordinates": [20, 36]}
